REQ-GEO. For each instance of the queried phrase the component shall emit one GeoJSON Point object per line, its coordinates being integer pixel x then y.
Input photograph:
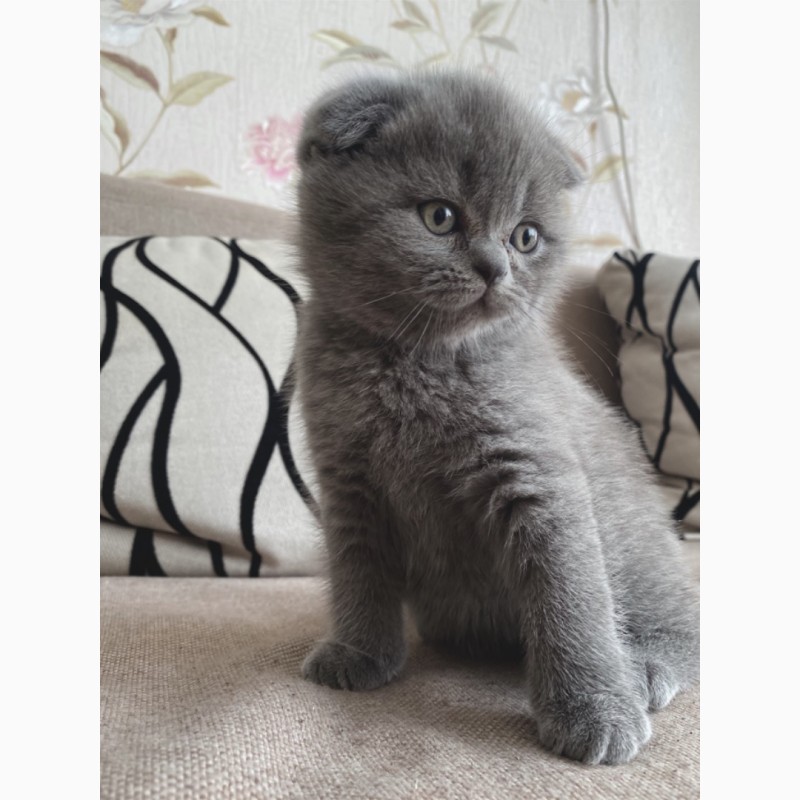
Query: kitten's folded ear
{"type": "Point", "coordinates": [346, 118]}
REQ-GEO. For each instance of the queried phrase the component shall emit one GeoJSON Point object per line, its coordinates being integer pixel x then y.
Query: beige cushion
{"type": "Point", "coordinates": [655, 299]}
{"type": "Point", "coordinates": [201, 697]}
{"type": "Point", "coordinates": [195, 453]}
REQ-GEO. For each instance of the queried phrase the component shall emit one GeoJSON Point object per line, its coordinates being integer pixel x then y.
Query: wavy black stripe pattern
{"type": "Point", "coordinates": [171, 377]}
{"type": "Point", "coordinates": [268, 438]}
{"type": "Point", "coordinates": [675, 387]}
{"type": "Point", "coordinates": [230, 282]}
{"type": "Point", "coordinates": [637, 270]}
{"type": "Point", "coordinates": [118, 448]}
{"type": "Point", "coordinates": [284, 396]}
{"type": "Point", "coordinates": [689, 499]}
{"type": "Point", "coordinates": [110, 333]}
{"type": "Point", "coordinates": [274, 434]}
{"type": "Point", "coordinates": [143, 555]}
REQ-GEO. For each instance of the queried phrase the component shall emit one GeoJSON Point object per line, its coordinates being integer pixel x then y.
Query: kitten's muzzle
{"type": "Point", "coordinates": [489, 260]}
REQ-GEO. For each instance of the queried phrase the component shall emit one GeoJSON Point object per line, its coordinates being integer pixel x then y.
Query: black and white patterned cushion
{"type": "Point", "coordinates": [655, 298]}
{"type": "Point", "coordinates": [203, 468]}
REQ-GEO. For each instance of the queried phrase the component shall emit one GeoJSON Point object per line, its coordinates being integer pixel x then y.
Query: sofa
{"type": "Point", "coordinates": [201, 693]}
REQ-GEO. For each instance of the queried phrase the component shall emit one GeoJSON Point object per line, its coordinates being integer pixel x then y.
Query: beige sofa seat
{"type": "Point", "coordinates": [202, 698]}
{"type": "Point", "coordinates": [201, 694]}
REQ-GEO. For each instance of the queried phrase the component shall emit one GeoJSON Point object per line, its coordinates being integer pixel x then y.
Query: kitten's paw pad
{"type": "Point", "coordinates": [342, 667]}
{"type": "Point", "coordinates": [595, 729]}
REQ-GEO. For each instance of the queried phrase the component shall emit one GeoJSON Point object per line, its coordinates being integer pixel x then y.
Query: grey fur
{"type": "Point", "coordinates": [464, 469]}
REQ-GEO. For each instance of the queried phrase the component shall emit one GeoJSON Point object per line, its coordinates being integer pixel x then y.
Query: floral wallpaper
{"type": "Point", "coordinates": [211, 97]}
{"type": "Point", "coordinates": [122, 24]}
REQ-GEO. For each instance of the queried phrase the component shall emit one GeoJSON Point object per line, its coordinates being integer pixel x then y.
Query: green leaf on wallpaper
{"type": "Point", "coordinates": [189, 91]}
{"type": "Point", "coordinates": [113, 126]}
{"type": "Point", "coordinates": [618, 110]}
{"type": "Point", "coordinates": [212, 15]}
{"type": "Point", "coordinates": [362, 52]}
{"type": "Point", "coordinates": [410, 26]}
{"type": "Point", "coordinates": [169, 39]}
{"type": "Point", "coordinates": [129, 70]}
{"type": "Point", "coordinates": [607, 168]}
{"type": "Point", "coordinates": [415, 12]}
{"type": "Point", "coordinates": [485, 16]}
{"type": "Point", "coordinates": [336, 39]}
{"type": "Point", "coordinates": [184, 178]}
{"type": "Point", "coordinates": [499, 41]}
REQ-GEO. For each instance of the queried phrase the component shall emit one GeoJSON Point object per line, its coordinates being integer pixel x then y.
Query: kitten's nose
{"type": "Point", "coordinates": [490, 261]}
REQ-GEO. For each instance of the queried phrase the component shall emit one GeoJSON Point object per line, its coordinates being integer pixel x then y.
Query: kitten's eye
{"type": "Point", "coordinates": [438, 217]}
{"type": "Point", "coordinates": [525, 237]}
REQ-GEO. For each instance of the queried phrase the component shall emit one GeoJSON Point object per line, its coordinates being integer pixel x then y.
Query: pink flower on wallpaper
{"type": "Point", "coordinates": [269, 147]}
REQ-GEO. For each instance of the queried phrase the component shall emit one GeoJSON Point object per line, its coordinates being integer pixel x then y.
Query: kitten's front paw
{"type": "Point", "coordinates": [342, 667]}
{"type": "Point", "coordinates": [601, 728]}
{"type": "Point", "coordinates": [662, 685]}
{"type": "Point", "coordinates": [665, 665]}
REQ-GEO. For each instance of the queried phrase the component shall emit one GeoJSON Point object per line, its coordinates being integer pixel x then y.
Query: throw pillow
{"type": "Point", "coordinates": [203, 468]}
{"type": "Point", "coordinates": [655, 299]}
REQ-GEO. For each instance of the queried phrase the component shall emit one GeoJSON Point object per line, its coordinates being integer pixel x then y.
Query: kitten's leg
{"type": "Point", "coordinates": [366, 649]}
{"type": "Point", "coordinates": [662, 620]}
{"type": "Point", "coordinates": [655, 597]}
{"type": "Point", "coordinates": [584, 691]}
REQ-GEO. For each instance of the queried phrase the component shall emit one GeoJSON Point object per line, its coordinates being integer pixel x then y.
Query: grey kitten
{"type": "Point", "coordinates": [464, 469]}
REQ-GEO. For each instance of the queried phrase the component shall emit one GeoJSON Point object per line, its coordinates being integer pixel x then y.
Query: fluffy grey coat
{"type": "Point", "coordinates": [465, 470]}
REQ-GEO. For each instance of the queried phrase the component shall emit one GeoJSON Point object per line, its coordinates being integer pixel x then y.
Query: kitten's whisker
{"type": "Point", "coordinates": [589, 347]}
{"type": "Point", "coordinates": [589, 378]}
{"type": "Point", "coordinates": [575, 361]}
{"type": "Point", "coordinates": [602, 344]}
{"type": "Point", "coordinates": [590, 308]}
{"type": "Point", "coordinates": [406, 319]}
{"type": "Point", "coordinates": [422, 335]}
{"type": "Point", "coordinates": [421, 307]}
{"type": "Point", "coordinates": [402, 321]}
{"type": "Point", "coordinates": [385, 297]}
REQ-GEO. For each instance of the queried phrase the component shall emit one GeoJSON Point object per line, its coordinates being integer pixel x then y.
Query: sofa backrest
{"type": "Point", "coordinates": [138, 208]}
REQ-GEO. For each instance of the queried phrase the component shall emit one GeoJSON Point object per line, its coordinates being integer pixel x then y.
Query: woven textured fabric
{"type": "Point", "coordinates": [655, 300]}
{"type": "Point", "coordinates": [201, 698]}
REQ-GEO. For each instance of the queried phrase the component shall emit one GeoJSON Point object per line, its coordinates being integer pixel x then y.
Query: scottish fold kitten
{"type": "Point", "coordinates": [464, 470]}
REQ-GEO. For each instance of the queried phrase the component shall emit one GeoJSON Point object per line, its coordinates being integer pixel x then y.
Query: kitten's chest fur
{"type": "Point", "coordinates": [427, 402]}
{"type": "Point", "coordinates": [414, 425]}
{"type": "Point", "coordinates": [402, 413]}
